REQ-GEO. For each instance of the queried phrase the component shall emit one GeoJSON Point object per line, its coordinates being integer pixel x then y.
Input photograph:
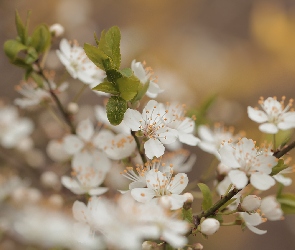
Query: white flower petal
{"type": "Point", "coordinates": [256, 230]}
{"type": "Point", "coordinates": [153, 147]}
{"type": "Point", "coordinates": [98, 191]}
{"type": "Point", "coordinates": [80, 211]}
{"type": "Point", "coordinates": [227, 157]}
{"type": "Point", "coordinates": [262, 181]}
{"type": "Point", "coordinates": [177, 201]}
{"type": "Point", "coordinates": [72, 185]}
{"type": "Point", "coordinates": [72, 144]}
{"type": "Point", "coordinates": [268, 128]}
{"type": "Point", "coordinates": [282, 179]}
{"type": "Point", "coordinates": [178, 184]}
{"type": "Point", "coordinates": [188, 139]}
{"type": "Point", "coordinates": [85, 130]}
{"type": "Point", "coordinates": [205, 133]}
{"type": "Point", "coordinates": [132, 119]}
{"type": "Point", "coordinates": [238, 178]}
{"type": "Point", "coordinates": [175, 240]}
{"type": "Point", "coordinates": [257, 115]}
{"type": "Point", "coordinates": [142, 194]}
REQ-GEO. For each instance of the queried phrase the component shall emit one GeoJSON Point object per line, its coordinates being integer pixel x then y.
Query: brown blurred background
{"type": "Point", "coordinates": [238, 49]}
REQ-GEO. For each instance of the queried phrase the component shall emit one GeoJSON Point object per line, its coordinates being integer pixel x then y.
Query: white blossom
{"type": "Point", "coordinates": [144, 76]}
{"type": "Point", "coordinates": [84, 147]}
{"type": "Point", "coordinates": [212, 139]}
{"type": "Point", "coordinates": [185, 126]}
{"type": "Point", "coordinates": [253, 220]}
{"type": "Point", "coordinates": [248, 164]}
{"type": "Point", "coordinates": [46, 228]}
{"type": "Point", "coordinates": [125, 230]}
{"type": "Point", "coordinates": [161, 184]}
{"type": "Point", "coordinates": [116, 147]}
{"type": "Point", "coordinates": [181, 161]}
{"type": "Point", "coordinates": [78, 64]}
{"type": "Point", "coordinates": [34, 94]}
{"type": "Point", "coordinates": [273, 116]}
{"type": "Point", "coordinates": [271, 209]}
{"type": "Point", "coordinates": [152, 123]}
{"type": "Point", "coordinates": [13, 129]}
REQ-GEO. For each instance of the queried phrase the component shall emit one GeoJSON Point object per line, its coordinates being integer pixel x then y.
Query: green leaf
{"type": "Point", "coordinates": [279, 167]}
{"type": "Point", "coordinates": [31, 56]}
{"type": "Point", "coordinates": [37, 78]}
{"type": "Point", "coordinates": [142, 89]}
{"type": "Point", "coordinates": [12, 48]}
{"type": "Point", "coordinates": [113, 75]}
{"type": "Point", "coordinates": [126, 72]}
{"type": "Point", "coordinates": [41, 38]}
{"type": "Point", "coordinates": [21, 29]}
{"type": "Point", "coordinates": [207, 196]}
{"type": "Point", "coordinates": [128, 87]}
{"type": "Point", "coordinates": [98, 57]}
{"type": "Point", "coordinates": [287, 202]}
{"type": "Point", "coordinates": [116, 108]}
{"type": "Point", "coordinates": [187, 215]}
{"type": "Point", "coordinates": [109, 43]}
{"type": "Point", "coordinates": [96, 39]}
{"type": "Point", "coordinates": [107, 87]}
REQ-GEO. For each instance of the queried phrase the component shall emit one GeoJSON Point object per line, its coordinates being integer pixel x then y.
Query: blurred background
{"type": "Point", "coordinates": [239, 50]}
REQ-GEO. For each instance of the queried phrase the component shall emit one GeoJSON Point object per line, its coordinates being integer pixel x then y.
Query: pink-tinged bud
{"type": "Point", "coordinates": [209, 226]}
{"type": "Point", "coordinates": [57, 30]}
{"type": "Point", "coordinates": [251, 203]}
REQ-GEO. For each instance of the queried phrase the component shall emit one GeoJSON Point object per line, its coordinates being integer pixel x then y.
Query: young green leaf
{"type": "Point", "coordinates": [12, 48]}
{"type": "Point", "coordinates": [128, 87]}
{"type": "Point", "coordinates": [98, 57]}
{"type": "Point", "coordinates": [116, 108]}
{"type": "Point", "coordinates": [279, 167]}
{"type": "Point", "coordinates": [126, 72]}
{"type": "Point", "coordinates": [207, 196]}
{"type": "Point", "coordinates": [187, 215]}
{"type": "Point", "coordinates": [21, 29]}
{"type": "Point", "coordinates": [113, 75]}
{"type": "Point", "coordinates": [287, 202]}
{"type": "Point", "coordinates": [109, 43]}
{"type": "Point", "coordinates": [107, 87]}
{"type": "Point", "coordinates": [41, 38]}
{"type": "Point", "coordinates": [142, 89]}
{"type": "Point", "coordinates": [31, 56]}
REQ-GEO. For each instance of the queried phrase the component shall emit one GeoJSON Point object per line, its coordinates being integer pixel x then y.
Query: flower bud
{"type": "Point", "coordinates": [189, 201]}
{"type": "Point", "coordinates": [209, 226]}
{"type": "Point", "coordinates": [251, 203]}
{"type": "Point", "coordinates": [73, 107]}
{"type": "Point", "coordinates": [57, 29]}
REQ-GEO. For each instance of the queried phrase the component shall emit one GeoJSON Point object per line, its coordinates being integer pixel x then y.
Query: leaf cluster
{"type": "Point", "coordinates": [122, 84]}
{"type": "Point", "coordinates": [25, 50]}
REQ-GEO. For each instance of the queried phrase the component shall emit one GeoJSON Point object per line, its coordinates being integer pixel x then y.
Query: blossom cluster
{"type": "Point", "coordinates": [122, 168]}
